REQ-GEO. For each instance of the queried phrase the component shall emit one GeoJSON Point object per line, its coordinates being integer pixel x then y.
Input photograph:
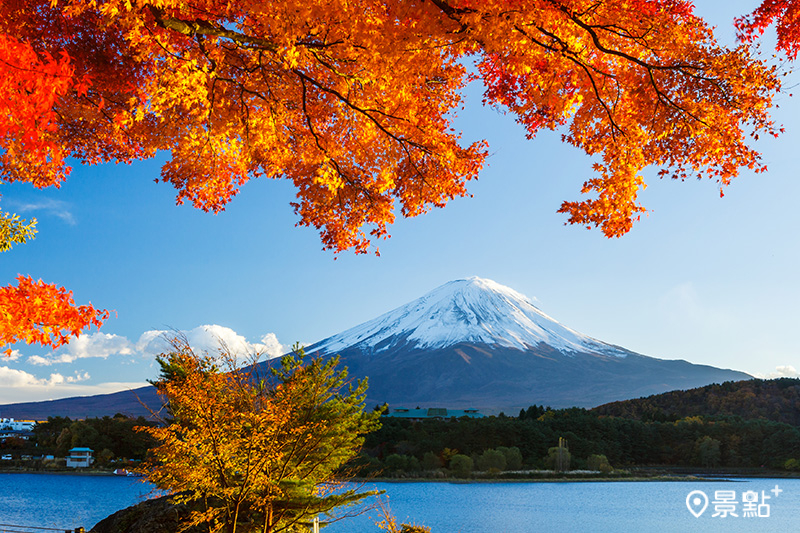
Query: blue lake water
{"type": "Point", "coordinates": [593, 507]}
{"type": "Point", "coordinates": [69, 501]}
{"type": "Point", "coordinates": [64, 500]}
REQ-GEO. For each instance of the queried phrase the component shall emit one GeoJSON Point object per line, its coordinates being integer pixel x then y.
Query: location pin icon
{"type": "Point", "coordinates": [697, 501]}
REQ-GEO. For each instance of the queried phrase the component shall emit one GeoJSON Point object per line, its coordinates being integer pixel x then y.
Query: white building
{"type": "Point", "coordinates": [80, 458]}
{"type": "Point", "coordinates": [16, 425]}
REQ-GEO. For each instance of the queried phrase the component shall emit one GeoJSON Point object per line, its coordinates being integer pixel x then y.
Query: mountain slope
{"type": "Point", "coordinates": [133, 403]}
{"type": "Point", "coordinates": [497, 378]}
{"type": "Point", "coordinates": [468, 343]}
{"type": "Point", "coordinates": [476, 343]}
{"type": "Point", "coordinates": [472, 310]}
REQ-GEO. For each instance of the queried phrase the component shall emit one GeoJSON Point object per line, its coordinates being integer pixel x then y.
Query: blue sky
{"type": "Point", "coordinates": [713, 281]}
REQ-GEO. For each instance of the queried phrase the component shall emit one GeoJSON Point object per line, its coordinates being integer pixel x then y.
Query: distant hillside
{"type": "Point", "coordinates": [776, 399]}
{"type": "Point", "coordinates": [131, 403]}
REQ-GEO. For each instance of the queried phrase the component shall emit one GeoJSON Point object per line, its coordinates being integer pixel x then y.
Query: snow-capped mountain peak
{"type": "Point", "coordinates": [472, 310]}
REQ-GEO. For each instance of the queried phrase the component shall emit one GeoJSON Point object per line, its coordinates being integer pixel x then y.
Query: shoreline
{"type": "Point", "coordinates": [456, 481]}
{"type": "Point", "coordinates": [577, 478]}
{"type": "Point", "coordinates": [433, 480]}
{"type": "Point", "coordinates": [568, 479]}
{"type": "Point", "coordinates": [61, 472]}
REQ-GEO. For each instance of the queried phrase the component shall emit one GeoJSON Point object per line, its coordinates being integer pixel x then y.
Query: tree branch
{"type": "Point", "coordinates": [201, 27]}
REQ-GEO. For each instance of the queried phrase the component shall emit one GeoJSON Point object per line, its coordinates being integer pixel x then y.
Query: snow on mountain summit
{"type": "Point", "coordinates": [472, 310]}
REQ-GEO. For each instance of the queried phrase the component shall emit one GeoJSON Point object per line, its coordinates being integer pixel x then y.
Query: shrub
{"type": "Point", "coordinates": [461, 465]}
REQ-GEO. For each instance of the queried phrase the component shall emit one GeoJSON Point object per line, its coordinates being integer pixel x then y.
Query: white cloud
{"type": "Point", "coordinates": [152, 342]}
{"type": "Point", "coordinates": [207, 338]}
{"type": "Point", "coordinates": [211, 338]}
{"type": "Point", "coordinates": [17, 385]}
{"type": "Point", "coordinates": [78, 377]}
{"type": "Point", "coordinates": [99, 345]}
{"type": "Point", "coordinates": [40, 361]}
{"type": "Point", "coordinates": [102, 345]}
{"type": "Point", "coordinates": [14, 378]}
{"type": "Point", "coordinates": [270, 346]}
{"type": "Point", "coordinates": [11, 377]}
{"type": "Point", "coordinates": [785, 371]}
{"type": "Point", "coordinates": [50, 206]}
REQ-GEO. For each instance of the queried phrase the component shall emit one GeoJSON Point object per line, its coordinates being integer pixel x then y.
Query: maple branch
{"type": "Point", "coordinates": [565, 51]}
{"type": "Point", "coordinates": [161, 45]}
{"type": "Point", "coordinates": [402, 141]}
{"type": "Point", "coordinates": [452, 13]}
{"type": "Point", "coordinates": [325, 150]}
{"type": "Point", "coordinates": [315, 44]}
{"type": "Point", "coordinates": [202, 27]}
{"type": "Point", "coordinates": [202, 46]}
{"type": "Point", "coordinates": [685, 69]}
{"type": "Point", "coordinates": [417, 170]}
{"type": "Point", "coordinates": [609, 112]}
{"type": "Point", "coordinates": [360, 110]}
{"type": "Point", "coordinates": [246, 109]}
{"type": "Point", "coordinates": [662, 96]}
{"type": "Point", "coordinates": [348, 101]}
{"type": "Point", "coordinates": [199, 27]}
{"type": "Point", "coordinates": [590, 29]}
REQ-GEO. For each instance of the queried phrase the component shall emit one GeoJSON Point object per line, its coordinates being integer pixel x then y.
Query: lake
{"type": "Point", "coordinates": [65, 500]}
{"type": "Point", "coordinates": [68, 501]}
{"type": "Point", "coordinates": [593, 507]}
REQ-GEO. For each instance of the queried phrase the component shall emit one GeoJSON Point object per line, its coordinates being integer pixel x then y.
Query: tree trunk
{"type": "Point", "coordinates": [232, 527]}
{"type": "Point", "coordinates": [268, 519]}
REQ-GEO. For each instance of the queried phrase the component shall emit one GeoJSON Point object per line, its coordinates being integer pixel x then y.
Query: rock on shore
{"type": "Point", "coordinates": [158, 515]}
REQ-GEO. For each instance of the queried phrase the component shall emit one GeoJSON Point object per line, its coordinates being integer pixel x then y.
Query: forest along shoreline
{"type": "Point", "coordinates": [635, 475]}
{"type": "Point", "coordinates": [706, 433]}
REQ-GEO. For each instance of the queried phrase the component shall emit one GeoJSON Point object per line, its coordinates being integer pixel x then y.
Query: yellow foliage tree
{"type": "Point", "coordinates": [251, 453]}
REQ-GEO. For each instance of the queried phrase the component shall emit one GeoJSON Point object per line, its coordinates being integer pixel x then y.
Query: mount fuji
{"type": "Point", "coordinates": [476, 343]}
{"type": "Point", "coordinates": [469, 343]}
{"type": "Point", "coordinates": [474, 311]}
